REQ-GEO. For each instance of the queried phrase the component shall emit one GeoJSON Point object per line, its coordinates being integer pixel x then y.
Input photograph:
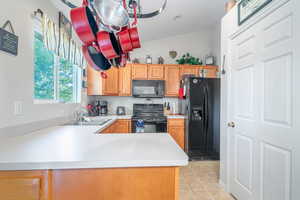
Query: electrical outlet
{"type": "Point", "coordinates": [18, 108]}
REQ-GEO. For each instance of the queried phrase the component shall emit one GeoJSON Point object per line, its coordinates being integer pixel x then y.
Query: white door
{"type": "Point", "coordinates": [265, 107]}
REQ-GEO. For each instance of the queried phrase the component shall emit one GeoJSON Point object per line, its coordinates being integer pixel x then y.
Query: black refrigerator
{"type": "Point", "coordinates": [201, 105]}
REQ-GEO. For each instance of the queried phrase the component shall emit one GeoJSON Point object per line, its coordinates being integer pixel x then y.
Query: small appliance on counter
{"type": "Point", "coordinates": [103, 107]}
{"type": "Point", "coordinates": [98, 108]}
{"type": "Point", "coordinates": [121, 110]}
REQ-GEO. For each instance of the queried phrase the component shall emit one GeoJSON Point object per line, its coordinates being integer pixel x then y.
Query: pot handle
{"type": "Point", "coordinates": [124, 4]}
{"type": "Point", "coordinates": [103, 75]}
{"type": "Point", "coordinates": [135, 16]}
{"type": "Point", "coordinates": [85, 3]}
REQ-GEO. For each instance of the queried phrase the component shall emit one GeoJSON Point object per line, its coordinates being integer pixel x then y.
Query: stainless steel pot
{"type": "Point", "coordinates": [112, 13]}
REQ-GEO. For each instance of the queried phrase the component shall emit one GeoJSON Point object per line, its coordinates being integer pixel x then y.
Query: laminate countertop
{"type": "Point", "coordinates": [76, 147]}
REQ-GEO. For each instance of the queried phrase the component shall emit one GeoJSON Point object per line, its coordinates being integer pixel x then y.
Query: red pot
{"type": "Point", "coordinates": [125, 40]}
{"type": "Point", "coordinates": [135, 39]}
{"type": "Point", "coordinates": [84, 23]}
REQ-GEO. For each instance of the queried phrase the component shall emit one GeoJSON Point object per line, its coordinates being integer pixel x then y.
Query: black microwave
{"type": "Point", "coordinates": [148, 88]}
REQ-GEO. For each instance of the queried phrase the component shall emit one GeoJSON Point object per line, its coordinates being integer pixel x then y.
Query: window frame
{"type": "Point", "coordinates": [77, 77]}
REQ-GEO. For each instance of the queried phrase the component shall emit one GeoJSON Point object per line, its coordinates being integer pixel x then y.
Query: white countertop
{"type": "Point", "coordinates": [112, 117]}
{"type": "Point", "coordinates": [75, 147]}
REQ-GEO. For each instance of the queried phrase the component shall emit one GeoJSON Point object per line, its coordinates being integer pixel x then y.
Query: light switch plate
{"type": "Point", "coordinates": [18, 108]}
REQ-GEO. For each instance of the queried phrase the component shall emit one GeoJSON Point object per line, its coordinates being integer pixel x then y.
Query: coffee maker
{"type": "Point", "coordinates": [103, 108]}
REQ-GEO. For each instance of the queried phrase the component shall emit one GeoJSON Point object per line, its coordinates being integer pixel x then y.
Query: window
{"type": "Point", "coordinates": [55, 79]}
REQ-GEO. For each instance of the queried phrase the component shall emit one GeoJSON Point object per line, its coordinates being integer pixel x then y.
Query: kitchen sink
{"type": "Point", "coordinates": [91, 123]}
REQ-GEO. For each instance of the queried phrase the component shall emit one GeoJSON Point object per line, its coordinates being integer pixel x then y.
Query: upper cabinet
{"type": "Point", "coordinates": [125, 80]}
{"type": "Point", "coordinates": [119, 81]}
{"type": "Point", "coordinates": [139, 72]}
{"type": "Point", "coordinates": [94, 82]}
{"type": "Point", "coordinates": [156, 72]}
{"type": "Point", "coordinates": [99, 86]}
{"type": "Point", "coordinates": [210, 71]}
{"type": "Point", "coordinates": [172, 79]}
{"type": "Point", "coordinates": [111, 84]}
{"type": "Point", "coordinates": [147, 72]}
{"type": "Point", "coordinates": [189, 70]}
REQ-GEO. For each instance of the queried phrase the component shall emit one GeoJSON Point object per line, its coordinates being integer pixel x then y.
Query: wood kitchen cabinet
{"type": "Point", "coordinates": [105, 87]}
{"type": "Point", "coordinates": [177, 131]}
{"type": "Point", "coordinates": [125, 81]}
{"type": "Point", "coordinates": [189, 70]}
{"type": "Point", "coordinates": [120, 126]}
{"type": "Point", "coordinates": [24, 185]}
{"type": "Point", "coordinates": [111, 84]}
{"type": "Point", "coordinates": [94, 82]}
{"type": "Point", "coordinates": [91, 184]}
{"type": "Point", "coordinates": [156, 72]}
{"type": "Point", "coordinates": [139, 72]}
{"type": "Point", "coordinates": [210, 71]}
{"type": "Point", "coordinates": [172, 79]}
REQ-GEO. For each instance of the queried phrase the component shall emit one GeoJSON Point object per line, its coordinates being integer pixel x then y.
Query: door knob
{"type": "Point", "coordinates": [231, 124]}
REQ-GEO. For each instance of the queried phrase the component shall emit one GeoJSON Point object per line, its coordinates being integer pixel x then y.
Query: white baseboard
{"type": "Point", "coordinates": [222, 185]}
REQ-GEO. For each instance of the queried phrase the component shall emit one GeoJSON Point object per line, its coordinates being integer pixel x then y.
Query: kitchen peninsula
{"type": "Point", "coordinates": [77, 162]}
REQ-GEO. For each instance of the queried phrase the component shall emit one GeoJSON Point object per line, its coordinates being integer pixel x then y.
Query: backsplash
{"type": "Point", "coordinates": [114, 102]}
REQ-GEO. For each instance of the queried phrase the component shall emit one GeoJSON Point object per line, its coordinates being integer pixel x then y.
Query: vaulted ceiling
{"type": "Point", "coordinates": [180, 16]}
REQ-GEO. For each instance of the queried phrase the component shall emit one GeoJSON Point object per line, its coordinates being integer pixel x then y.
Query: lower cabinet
{"type": "Point", "coordinates": [24, 185]}
{"type": "Point", "coordinates": [177, 131]}
{"type": "Point", "coordinates": [120, 126]}
{"type": "Point", "coordinates": [91, 184]}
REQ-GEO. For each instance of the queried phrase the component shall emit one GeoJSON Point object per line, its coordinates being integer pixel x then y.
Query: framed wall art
{"type": "Point", "coordinates": [248, 8]}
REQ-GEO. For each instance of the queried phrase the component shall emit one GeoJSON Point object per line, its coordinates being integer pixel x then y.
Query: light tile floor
{"type": "Point", "coordinates": [199, 181]}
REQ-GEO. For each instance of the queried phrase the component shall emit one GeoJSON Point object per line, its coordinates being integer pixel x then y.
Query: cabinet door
{"type": "Point", "coordinates": [108, 129]}
{"type": "Point", "coordinates": [139, 72]}
{"type": "Point", "coordinates": [94, 82]}
{"type": "Point", "coordinates": [122, 126]}
{"type": "Point", "coordinates": [210, 71]}
{"type": "Point", "coordinates": [111, 84]}
{"type": "Point", "coordinates": [125, 81]}
{"type": "Point", "coordinates": [172, 78]}
{"type": "Point", "coordinates": [156, 72]}
{"type": "Point", "coordinates": [177, 131]}
{"type": "Point", "coordinates": [24, 185]}
{"type": "Point", "coordinates": [189, 70]}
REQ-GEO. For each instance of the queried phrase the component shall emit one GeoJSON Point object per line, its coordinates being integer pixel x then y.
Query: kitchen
{"type": "Point", "coordinates": [172, 122]}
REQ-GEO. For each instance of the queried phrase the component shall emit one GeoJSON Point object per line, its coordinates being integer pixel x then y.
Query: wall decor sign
{"type": "Point", "coordinates": [8, 40]}
{"type": "Point", "coordinates": [248, 8]}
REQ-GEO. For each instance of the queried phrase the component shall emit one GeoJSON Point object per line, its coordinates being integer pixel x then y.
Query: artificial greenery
{"type": "Point", "coordinates": [189, 59]}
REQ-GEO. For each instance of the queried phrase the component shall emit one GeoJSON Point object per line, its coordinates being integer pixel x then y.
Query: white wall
{"type": "Point", "coordinates": [199, 44]}
{"type": "Point", "coordinates": [16, 72]}
{"type": "Point", "coordinates": [217, 43]}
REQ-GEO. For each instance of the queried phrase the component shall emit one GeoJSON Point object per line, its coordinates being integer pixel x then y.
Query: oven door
{"type": "Point", "coordinates": [151, 127]}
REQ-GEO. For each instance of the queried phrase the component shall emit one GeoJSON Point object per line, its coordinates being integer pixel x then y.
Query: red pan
{"type": "Point", "coordinates": [95, 59]}
{"type": "Point", "coordinates": [84, 23]}
{"type": "Point", "coordinates": [108, 45]}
